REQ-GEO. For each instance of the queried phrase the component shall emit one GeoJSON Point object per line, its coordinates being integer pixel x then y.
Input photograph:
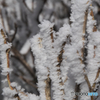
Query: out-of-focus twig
{"type": "Point", "coordinates": [27, 6]}
{"type": "Point", "coordinates": [33, 20]}
{"type": "Point", "coordinates": [22, 60]}
{"type": "Point", "coordinates": [14, 33]}
{"type": "Point", "coordinates": [8, 65]}
{"type": "Point", "coordinates": [26, 80]}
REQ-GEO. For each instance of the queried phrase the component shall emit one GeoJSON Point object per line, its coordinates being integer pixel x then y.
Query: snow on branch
{"type": "Point", "coordinates": [4, 52]}
{"type": "Point", "coordinates": [66, 61]}
{"type": "Point", "coordinates": [78, 26]}
{"type": "Point", "coordinates": [40, 60]}
{"type": "Point", "coordinates": [48, 50]}
{"type": "Point", "coordinates": [14, 91]}
{"type": "Point", "coordinates": [93, 49]}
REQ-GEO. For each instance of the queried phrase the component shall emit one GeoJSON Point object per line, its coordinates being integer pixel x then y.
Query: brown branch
{"type": "Point", "coordinates": [7, 55]}
{"type": "Point", "coordinates": [87, 80]}
{"type": "Point", "coordinates": [89, 85]}
{"type": "Point", "coordinates": [85, 76]}
{"type": "Point", "coordinates": [26, 80]}
{"type": "Point", "coordinates": [83, 54]}
{"type": "Point", "coordinates": [60, 59]}
{"type": "Point", "coordinates": [47, 89]}
{"type": "Point", "coordinates": [83, 50]}
{"type": "Point", "coordinates": [22, 60]}
{"type": "Point", "coordinates": [94, 28]}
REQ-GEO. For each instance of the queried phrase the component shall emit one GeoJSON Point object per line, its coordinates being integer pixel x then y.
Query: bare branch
{"type": "Point", "coordinates": [22, 60]}
{"type": "Point", "coordinates": [26, 80]}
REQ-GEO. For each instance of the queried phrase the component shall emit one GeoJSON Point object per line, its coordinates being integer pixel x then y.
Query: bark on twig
{"type": "Point", "coordinates": [47, 89]}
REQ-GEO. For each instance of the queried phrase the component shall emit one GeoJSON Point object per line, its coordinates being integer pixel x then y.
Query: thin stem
{"type": "Point", "coordinates": [22, 60]}
{"type": "Point", "coordinates": [26, 80]}
{"type": "Point", "coordinates": [7, 55]}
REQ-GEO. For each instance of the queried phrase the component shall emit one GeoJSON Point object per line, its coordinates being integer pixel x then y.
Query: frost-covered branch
{"type": "Point", "coordinates": [4, 52]}
{"type": "Point", "coordinates": [42, 70]}
{"type": "Point", "coordinates": [93, 50]}
{"type": "Point", "coordinates": [14, 91]}
{"type": "Point", "coordinates": [66, 61]}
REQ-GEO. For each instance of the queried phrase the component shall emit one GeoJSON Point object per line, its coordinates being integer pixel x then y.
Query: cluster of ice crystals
{"type": "Point", "coordinates": [40, 60]}
{"type": "Point", "coordinates": [93, 57]}
{"type": "Point", "coordinates": [45, 26]}
{"type": "Point", "coordinates": [49, 49]}
{"type": "Point", "coordinates": [60, 57]}
{"type": "Point", "coordinates": [77, 27]}
{"type": "Point", "coordinates": [3, 55]}
{"type": "Point", "coordinates": [29, 96]}
{"type": "Point", "coordinates": [8, 92]}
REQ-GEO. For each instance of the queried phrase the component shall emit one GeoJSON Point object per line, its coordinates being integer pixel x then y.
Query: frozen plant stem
{"type": "Point", "coordinates": [66, 61]}
{"type": "Point", "coordinates": [7, 57]}
{"type": "Point", "coordinates": [47, 81]}
{"type": "Point", "coordinates": [42, 71]}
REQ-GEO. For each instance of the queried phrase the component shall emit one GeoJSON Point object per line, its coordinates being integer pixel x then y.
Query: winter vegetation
{"type": "Point", "coordinates": [49, 49]}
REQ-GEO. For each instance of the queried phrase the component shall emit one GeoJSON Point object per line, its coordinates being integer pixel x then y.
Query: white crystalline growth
{"type": "Point", "coordinates": [3, 55]}
{"type": "Point", "coordinates": [46, 29]}
{"type": "Point", "coordinates": [65, 66]}
{"type": "Point", "coordinates": [60, 44]}
{"type": "Point", "coordinates": [40, 60]}
{"type": "Point", "coordinates": [45, 25]}
{"type": "Point", "coordinates": [3, 48]}
{"type": "Point", "coordinates": [69, 90]}
{"type": "Point", "coordinates": [74, 55]}
{"type": "Point", "coordinates": [63, 34]}
{"type": "Point", "coordinates": [5, 71]}
{"type": "Point", "coordinates": [93, 62]}
{"type": "Point", "coordinates": [8, 92]}
{"type": "Point", "coordinates": [84, 89]}
{"type": "Point", "coordinates": [53, 49]}
{"type": "Point", "coordinates": [29, 96]}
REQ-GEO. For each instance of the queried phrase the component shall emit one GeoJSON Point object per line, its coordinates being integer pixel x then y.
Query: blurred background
{"type": "Point", "coordinates": [20, 20]}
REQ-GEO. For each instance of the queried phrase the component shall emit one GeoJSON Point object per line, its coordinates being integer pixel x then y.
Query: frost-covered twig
{"type": "Point", "coordinates": [5, 56]}
{"type": "Point", "coordinates": [78, 28]}
{"type": "Point", "coordinates": [4, 52]}
{"type": "Point", "coordinates": [13, 91]}
{"type": "Point", "coordinates": [42, 70]}
{"type": "Point", "coordinates": [93, 67]}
